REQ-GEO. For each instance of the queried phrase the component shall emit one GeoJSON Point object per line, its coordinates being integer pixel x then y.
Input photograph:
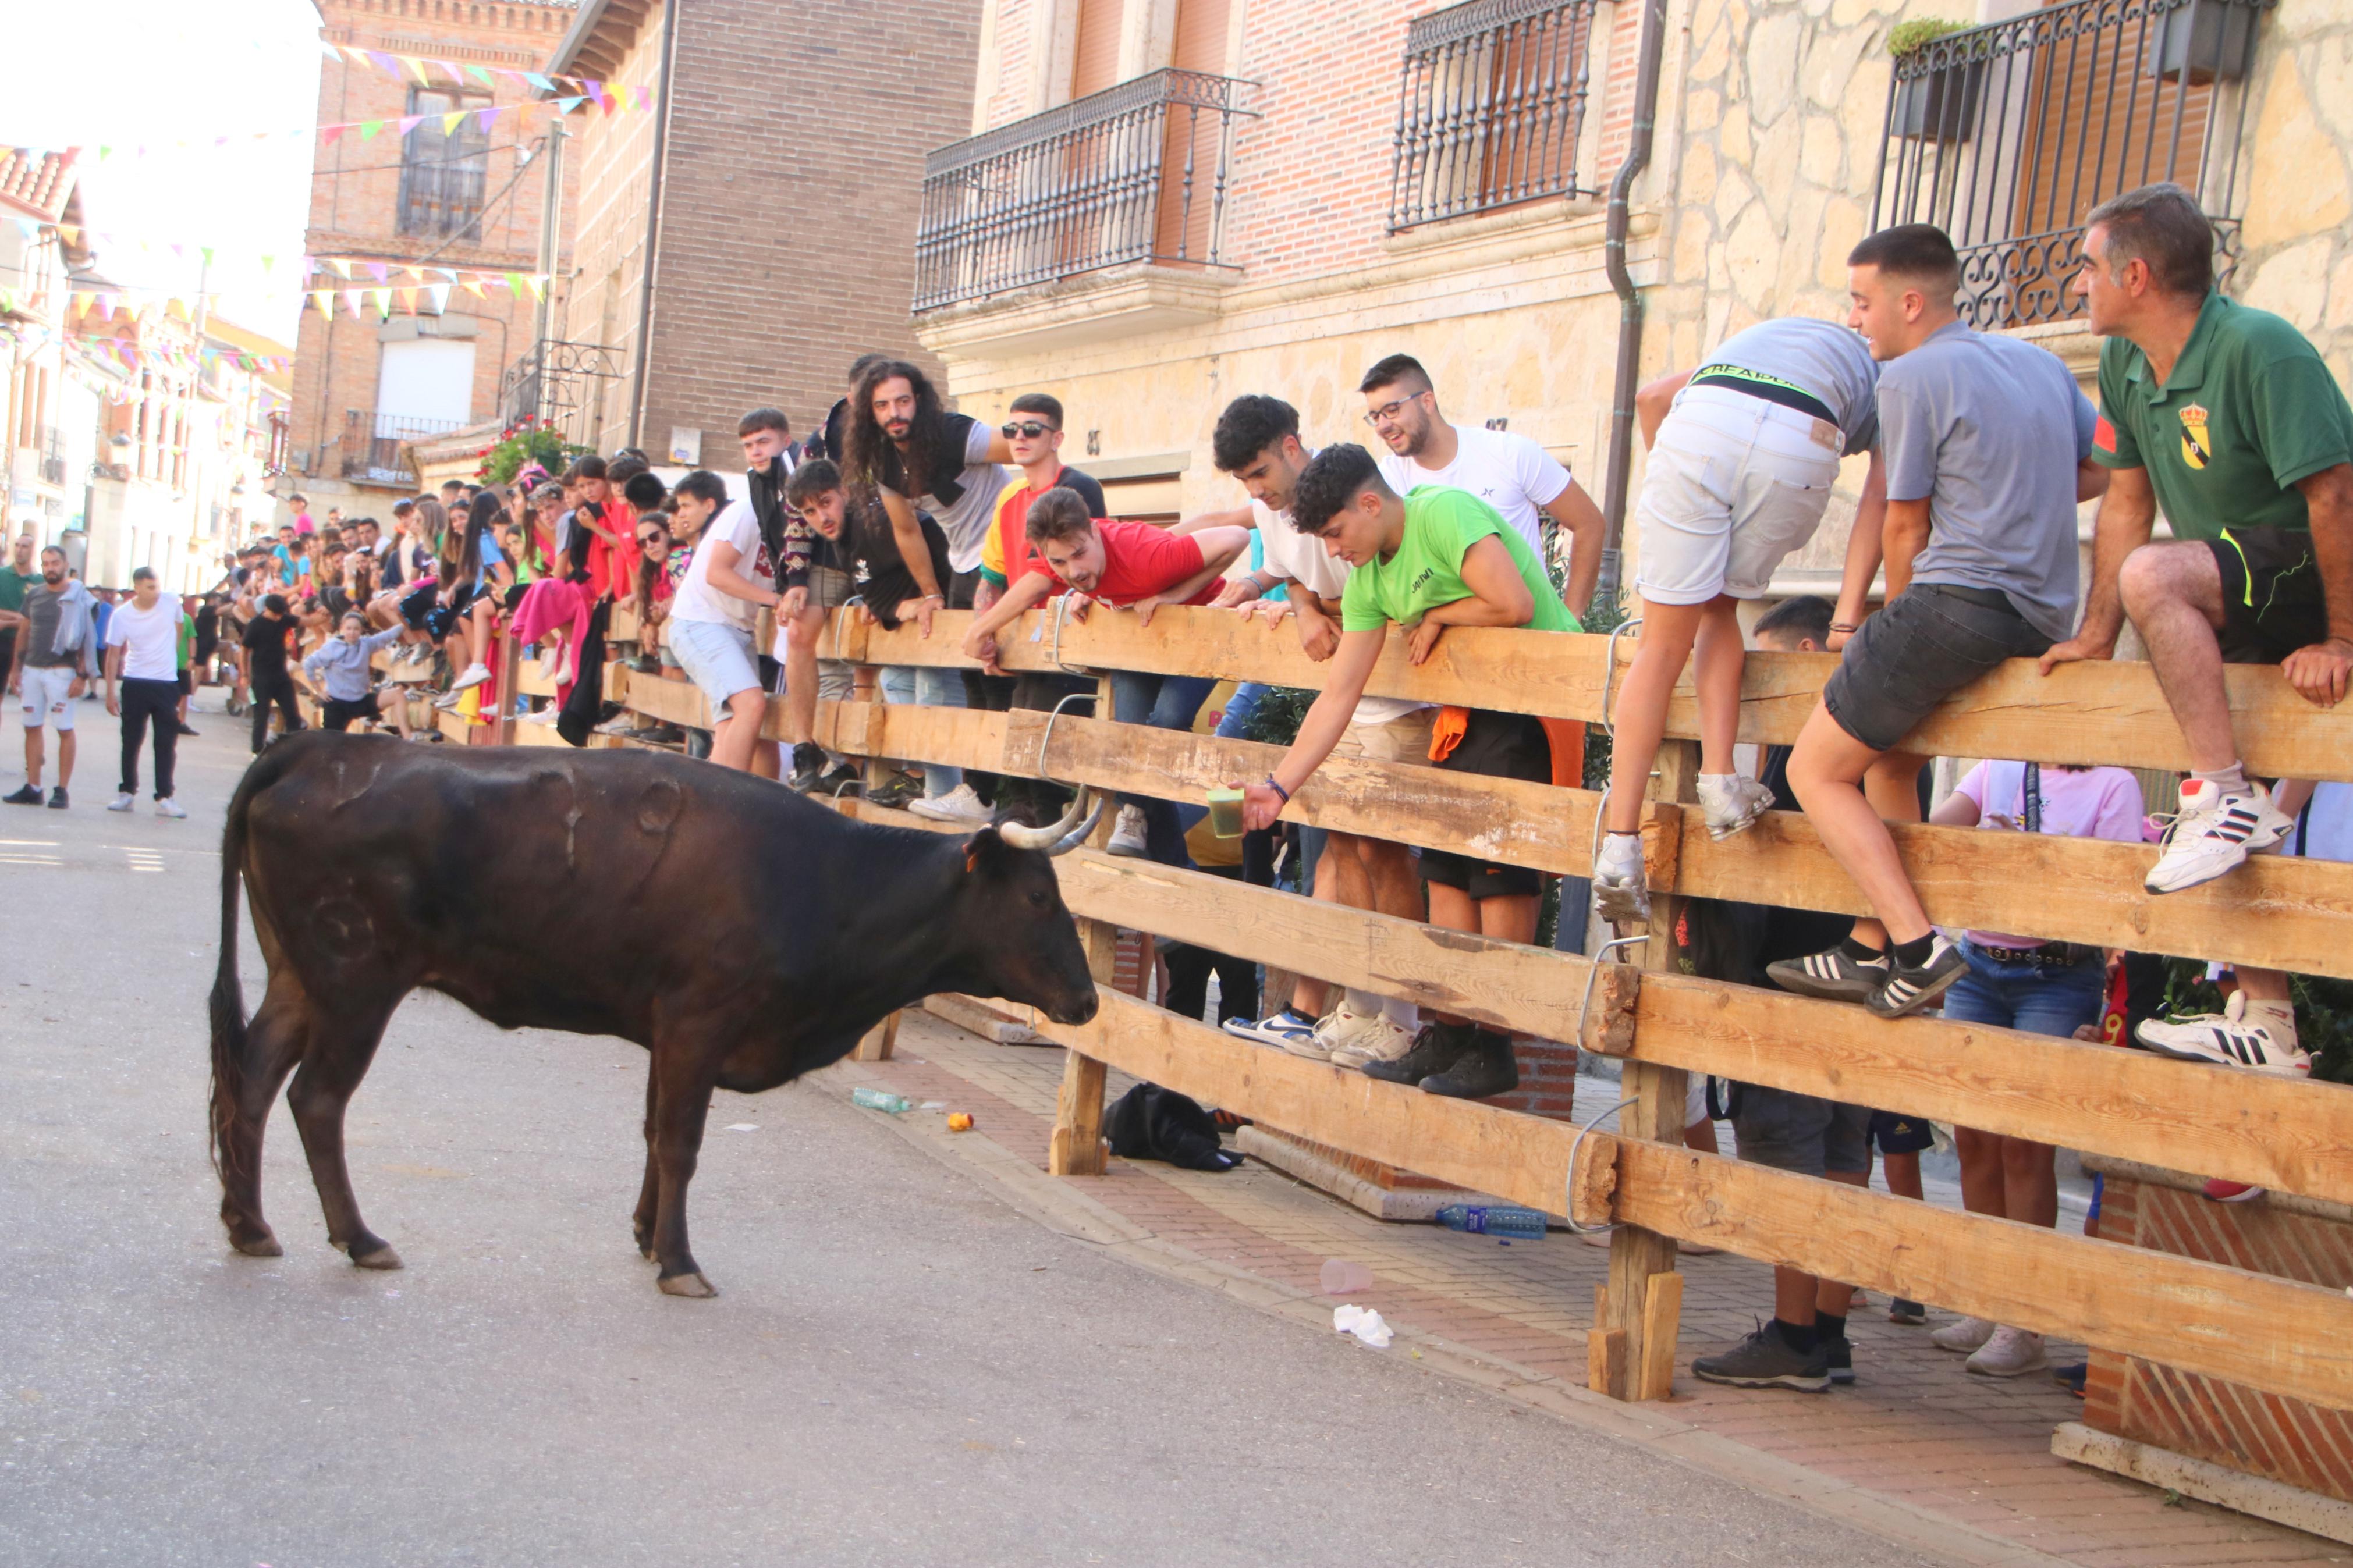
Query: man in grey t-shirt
{"type": "Point", "coordinates": [1988, 447]}
{"type": "Point", "coordinates": [61, 660]}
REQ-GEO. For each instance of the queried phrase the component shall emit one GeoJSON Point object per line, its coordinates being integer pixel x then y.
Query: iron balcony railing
{"type": "Point", "coordinates": [556, 383]}
{"type": "Point", "coordinates": [1135, 173]}
{"type": "Point", "coordinates": [372, 442]}
{"type": "Point", "coordinates": [1490, 106]}
{"type": "Point", "coordinates": [2006, 135]}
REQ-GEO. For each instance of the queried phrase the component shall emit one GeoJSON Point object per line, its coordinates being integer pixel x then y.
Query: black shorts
{"type": "Point", "coordinates": [417, 605]}
{"type": "Point", "coordinates": [1899, 1134]}
{"type": "Point", "coordinates": [187, 682]}
{"type": "Point", "coordinates": [2272, 599]}
{"type": "Point", "coordinates": [335, 713]}
{"type": "Point", "coordinates": [1800, 1132]}
{"type": "Point", "coordinates": [1930, 641]}
{"type": "Point", "coordinates": [1501, 746]}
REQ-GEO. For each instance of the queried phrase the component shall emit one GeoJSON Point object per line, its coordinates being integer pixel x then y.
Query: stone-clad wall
{"type": "Point", "coordinates": [2299, 190]}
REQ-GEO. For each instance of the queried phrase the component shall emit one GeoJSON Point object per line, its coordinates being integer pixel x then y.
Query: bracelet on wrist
{"type": "Point", "coordinates": [1278, 789]}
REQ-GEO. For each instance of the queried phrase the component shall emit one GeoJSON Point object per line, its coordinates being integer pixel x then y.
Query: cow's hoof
{"type": "Point", "coordinates": [692, 1286]}
{"type": "Point", "coordinates": [384, 1257]}
{"type": "Point", "coordinates": [263, 1244]}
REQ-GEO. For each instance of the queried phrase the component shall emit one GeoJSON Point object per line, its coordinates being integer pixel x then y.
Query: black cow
{"type": "Point", "coordinates": [741, 934]}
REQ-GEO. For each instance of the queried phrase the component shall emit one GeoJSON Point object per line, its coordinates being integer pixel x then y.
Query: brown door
{"type": "Point", "coordinates": [1096, 63]}
{"type": "Point", "coordinates": [1188, 208]}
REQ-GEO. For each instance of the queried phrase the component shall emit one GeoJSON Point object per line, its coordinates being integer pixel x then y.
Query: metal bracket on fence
{"type": "Point", "coordinates": [1048, 738]}
{"type": "Point", "coordinates": [1610, 673]}
{"type": "Point", "coordinates": [1584, 1004]}
{"type": "Point", "coordinates": [1061, 614]}
{"type": "Point", "coordinates": [1568, 1191]}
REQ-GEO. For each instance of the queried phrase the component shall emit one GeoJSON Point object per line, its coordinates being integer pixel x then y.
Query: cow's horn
{"type": "Point", "coordinates": [1078, 836]}
{"type": "Point", "coordinates": [1044, 839]}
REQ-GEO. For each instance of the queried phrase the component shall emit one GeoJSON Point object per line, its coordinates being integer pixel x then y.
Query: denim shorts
{"type": "Point", "coordinates": [1930, 641]}
{"type": "Point", "coordinates": [717, 658]}
{"type": "Point", "coordinates": [2032, 999]}
{"type": "Point", "coordinates": [1800, 1132]}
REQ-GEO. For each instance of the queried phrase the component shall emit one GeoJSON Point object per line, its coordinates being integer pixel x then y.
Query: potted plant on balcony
{"type": "Point", "coordinates": [2209, 38]}
{"type": "Point", "coordinates": [1939, 104]}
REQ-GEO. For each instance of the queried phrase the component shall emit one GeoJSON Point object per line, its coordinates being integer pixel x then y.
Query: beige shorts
{"type": "Point", "coordinates": [1404, 739]}
{"type": "Point", "coordinates": [830, 587]}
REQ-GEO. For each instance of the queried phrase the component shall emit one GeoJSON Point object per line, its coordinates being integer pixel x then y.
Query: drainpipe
{"type": "Point", "coordinates": [653, 223]}
{"type": "Point", "coordinates": [1630, 302]}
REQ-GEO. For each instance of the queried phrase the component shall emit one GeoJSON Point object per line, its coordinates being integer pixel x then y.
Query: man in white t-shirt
{"type": "Point", "coordinates": [715, 611]}
{"type": "Point", "coordinates": [143, 684]}
{"type": "Point", "coordinates": [1510, 473]}
{"type": "Point", "coordinates": [1257, 441]}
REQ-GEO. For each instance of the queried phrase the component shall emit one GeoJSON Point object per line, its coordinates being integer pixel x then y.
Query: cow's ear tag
{"type": "Point", "coordinates": [971, 860]}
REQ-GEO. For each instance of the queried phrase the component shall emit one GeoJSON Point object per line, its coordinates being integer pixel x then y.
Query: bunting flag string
{"type": "Point", "coordinates": [132, 355]}
{"type": "Point", "coordinates": [344, 266]}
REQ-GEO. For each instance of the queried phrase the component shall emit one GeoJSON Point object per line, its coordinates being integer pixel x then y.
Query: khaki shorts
{"type": "Point", "coordinates": [830, 588]}
{"type": "Point", "coordinates": [1404, 739]}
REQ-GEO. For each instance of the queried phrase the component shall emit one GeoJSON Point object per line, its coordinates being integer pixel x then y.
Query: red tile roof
{"type": "Point", "coordinates": [36, 182]}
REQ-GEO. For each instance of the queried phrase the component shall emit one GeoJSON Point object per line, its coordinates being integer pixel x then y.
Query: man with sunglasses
{"type": "Point", "coordinates": [1510, 473]}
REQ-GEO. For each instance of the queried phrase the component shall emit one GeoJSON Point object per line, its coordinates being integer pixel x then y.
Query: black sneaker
{"type": "Point", "coordinates": [1763, 1360]}
{"type": "Point", "coordinates": [1436, 1048]}
{"type": "Point", "coordinates": [1838, 1354]}
{"type": "Point", "coordinates": [897, 791]}
{"type": "Point", "coordinates": [58, 799]}
{"type": "Point", "coordinates": [27, 795]}
{"type": "Point", "coordinates": [843, 780]}
{"type": "Point", "coordinates": [1900, 1310]}
{"type": "Point", "coordinates": [808, 764]}
{"type": "Point", "coordinates": [1836, 975]}
{"type": "Point", "coordinates": [1484, 1068]}
{"type": "Point", "coordinates": [185, 728]}
{"type": "Point", "coordinates": [1907, 989]}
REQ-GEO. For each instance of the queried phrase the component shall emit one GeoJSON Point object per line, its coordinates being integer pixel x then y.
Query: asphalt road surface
{"type": "Point", "coordinates": [899, 1367]}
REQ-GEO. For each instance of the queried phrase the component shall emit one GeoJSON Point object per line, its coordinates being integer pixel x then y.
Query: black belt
{"type": "Point", "coordinates": [1768, 388]}
{"type": "Point", "coordinates": [1988, 598]}
{"type": "Point", "coordinates": [2044, 956]}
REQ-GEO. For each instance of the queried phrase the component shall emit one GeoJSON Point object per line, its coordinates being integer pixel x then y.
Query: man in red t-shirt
{"type": "Point", "coordinates": [1129, 566]}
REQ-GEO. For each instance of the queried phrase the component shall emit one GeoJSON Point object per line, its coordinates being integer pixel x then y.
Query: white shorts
{"type": "Point", "coordinates": [1733, 484]}
{"type": "Point", "coordinates": [716, 657]}
{"type": "Point", "coordinates": [44, 688]}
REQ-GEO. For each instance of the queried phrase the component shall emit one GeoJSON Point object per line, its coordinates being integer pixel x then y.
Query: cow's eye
{"type": "Point", "coordinates": [1038, 898]}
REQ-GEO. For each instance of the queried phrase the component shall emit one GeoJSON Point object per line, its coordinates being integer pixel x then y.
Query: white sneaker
{"type": "Point", "coordinates": [172, 808]}
{"type": "Point", "coordinates": [2265, 1042]}
{"type": "Point", "coordinates": [1127, 832]}
{"type": "Point", "coordinates": [959, 805]}
{"type": "Point", "coordinates": [1966, 1336]}
{"type": "Point", "coordinates": [1732, 801]}
{"type": "Point", "coordinates": [1618, 879]}
{"type": "Point", "coordinates": [1341, 1027]}
{"type": "Point", "coordinates": [120, 802]}
{"type": "Point", "coordinates": [1382, 1039]}
{"type": "Point", "coordinates": [476, 673]}
{"type": "Point", "coordinates": [2009, 1353]}
{"type": "Point", "coordinates": [2214, 832]}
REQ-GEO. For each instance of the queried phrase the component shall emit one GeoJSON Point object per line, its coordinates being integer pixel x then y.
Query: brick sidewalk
{"type": "Point", "coordinates": [1915, 1430]}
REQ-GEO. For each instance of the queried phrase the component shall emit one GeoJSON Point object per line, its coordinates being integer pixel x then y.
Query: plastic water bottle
{"type": "Point", "coordinates": [1507, 1223]}
{"type": "Point", "coordinates": [876, 1100]}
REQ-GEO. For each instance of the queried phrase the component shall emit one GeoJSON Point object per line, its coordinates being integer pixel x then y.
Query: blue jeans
{"type": "Point", "coordinates": [920, 686]}
{"type": "Point", "coordinates": [1164, 702]}
{"type": "Point", "coordinates": [2023, 997]}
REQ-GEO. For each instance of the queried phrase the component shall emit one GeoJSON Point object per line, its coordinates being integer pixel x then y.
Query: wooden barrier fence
{"type": "Point", "coordinates": [2293, 1136]}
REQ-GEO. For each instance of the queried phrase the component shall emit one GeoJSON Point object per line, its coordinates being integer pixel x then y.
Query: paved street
{"type": "Point", "coordinates": [899, 1367]}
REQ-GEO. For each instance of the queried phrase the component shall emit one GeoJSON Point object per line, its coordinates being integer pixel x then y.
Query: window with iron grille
{"type": "Point", "coordinates": [2006, 135]}
{"type": "Point", "coordinates": [445, 164]}
{"type": "Point", "coordinates": [1490, 106]}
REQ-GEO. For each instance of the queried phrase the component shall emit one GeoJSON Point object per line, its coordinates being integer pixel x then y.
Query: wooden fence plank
{"type": "Point", "coordinates": [2274, 1334]}
{"type": "Point", "coordinates": [2280, 912]}
{"type": "Point", "coordinates": [2110, 712]}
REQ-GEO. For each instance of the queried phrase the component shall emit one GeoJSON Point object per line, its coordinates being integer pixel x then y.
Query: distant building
{"type": "Point", "coordinates": [455, 195]}
{"type": "Point", "coordinates": [47, 412]}
{"type": "Point", "coordinates": [772, 205]}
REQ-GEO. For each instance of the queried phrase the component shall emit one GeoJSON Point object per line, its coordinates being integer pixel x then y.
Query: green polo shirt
{"type": "Point", "coordinates": [2250, 409]}
{"type": "Point", "coordinates": [13, 585]}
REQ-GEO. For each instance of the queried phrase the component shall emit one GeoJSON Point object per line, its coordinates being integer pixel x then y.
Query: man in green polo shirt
{"type": "Point", "coordinates": [2228, 420]}
{"type": "Point", "coordinates": [16, 576]}
{"type": "Point", "coordinates": [1433, 558]}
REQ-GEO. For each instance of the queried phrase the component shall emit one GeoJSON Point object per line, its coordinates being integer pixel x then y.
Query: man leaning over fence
{"type": "Point", "coordinates": [1988, 446]}
{"type": "Point", "coordinates": [2228, 418]}
{"type": "Point", "coordinates": [1257, 441]}
{"type": "Point", "coordinates": [1424, 561]}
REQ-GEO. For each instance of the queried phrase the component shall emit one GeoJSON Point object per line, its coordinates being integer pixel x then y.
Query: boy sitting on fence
{"type": "Point", "coordinates": [1435, 558]}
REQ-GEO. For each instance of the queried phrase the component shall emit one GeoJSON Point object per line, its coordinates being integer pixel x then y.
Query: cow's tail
{"type": "Point", "coordinates": [229, 993]}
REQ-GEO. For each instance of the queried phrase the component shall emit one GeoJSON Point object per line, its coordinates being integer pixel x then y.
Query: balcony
{"type": "Point", "coordinates": [1491, 103]}
{"type": "Point", "coordinates": [2007, 135]}
{"type": "Point", "coordinates": [1135, 174]}
{"type": "Point", "coordinates": [370, 448]}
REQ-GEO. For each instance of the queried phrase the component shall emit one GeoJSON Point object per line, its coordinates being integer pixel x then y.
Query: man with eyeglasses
{"type": "Point", "coordinates": [1510, 473]}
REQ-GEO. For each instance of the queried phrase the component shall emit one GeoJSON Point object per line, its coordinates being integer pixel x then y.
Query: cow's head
{"type": "Point", "coordinates": [1027, 945]}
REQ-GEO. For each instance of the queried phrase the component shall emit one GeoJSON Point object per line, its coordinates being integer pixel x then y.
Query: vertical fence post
{"type": "Point", "coordinates": [1641, 1306]}
{"type": "Point", "coordinates": [1076, 1147]}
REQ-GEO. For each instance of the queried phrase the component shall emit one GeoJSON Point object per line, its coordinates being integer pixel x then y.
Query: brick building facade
{"type": "Point", "coordinates": [790, 165]}
{"type": "Point", "coordinates": [467, 199]}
